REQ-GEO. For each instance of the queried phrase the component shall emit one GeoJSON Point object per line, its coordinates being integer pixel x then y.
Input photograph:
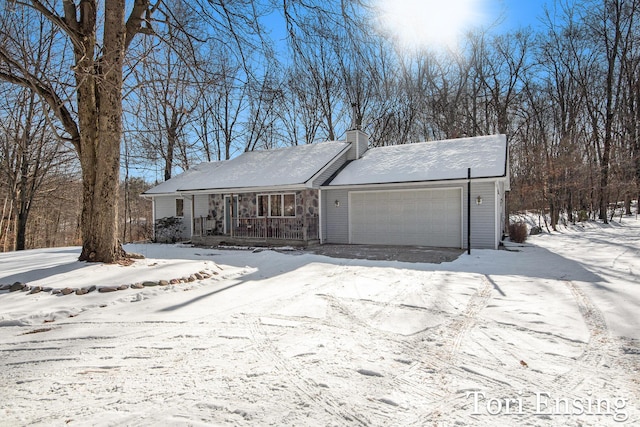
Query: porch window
{"type": "Point", "coordinates": [276, 205]}
{"type": "Point", "coordinates": [289, 205]}
{"type": "Point", "coordinates": [180, 207]}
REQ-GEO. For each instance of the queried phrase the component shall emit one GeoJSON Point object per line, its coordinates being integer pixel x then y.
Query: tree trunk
{"type": "Point", "coordinates": [100, 116]}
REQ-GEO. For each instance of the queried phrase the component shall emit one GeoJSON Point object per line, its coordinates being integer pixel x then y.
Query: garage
{"type": "Point", "coordinates": [423, 217]}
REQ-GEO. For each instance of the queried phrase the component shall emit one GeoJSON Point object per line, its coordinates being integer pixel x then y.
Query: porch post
{"type": "Point", "coordinates": [193, 213]}
{"type": "Point", "coordinates": [320, 212]}
{"type": "Point", "coordinates": [231, 215]}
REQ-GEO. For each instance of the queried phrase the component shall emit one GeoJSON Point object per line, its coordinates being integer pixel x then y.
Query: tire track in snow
{"type": "Point", "coordinates": [599, 342]}
{"type": "Point", "coordinates": [596, 367]}
{"type": "Point", "coordinates": [430, 378]}
{"type": "Point", "coordinates": [320, 396]}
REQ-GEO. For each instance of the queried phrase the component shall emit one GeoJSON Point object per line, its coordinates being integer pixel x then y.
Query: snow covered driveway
{"type": "Point", "coordinates": [548, 335]}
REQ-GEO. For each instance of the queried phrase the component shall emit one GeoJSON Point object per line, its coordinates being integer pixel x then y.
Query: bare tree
{"type": "Point", "coordinates": [99, 42]}
{"type": "Point", "coordinates": [29, 153]}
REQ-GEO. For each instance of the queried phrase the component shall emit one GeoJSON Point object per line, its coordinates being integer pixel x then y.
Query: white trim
{"type": "Point", "coordinates": [459, 188]}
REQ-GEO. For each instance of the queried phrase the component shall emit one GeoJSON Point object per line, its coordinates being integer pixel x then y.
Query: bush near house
{"type": "Point", "coordinates": [168, 229]}
{"type": "Point", "coordinates": [518, 232]}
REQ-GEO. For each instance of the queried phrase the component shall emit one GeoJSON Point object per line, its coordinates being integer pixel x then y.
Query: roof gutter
{"type": "Point", "coordinates": [414, 183]}
{"type": "Point", "coordinates": [278, 188]}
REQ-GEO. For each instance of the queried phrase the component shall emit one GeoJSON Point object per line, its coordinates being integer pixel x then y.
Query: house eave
{"type": "Point", "coordinates": [238, 190]}
{"type": "Point", "coordinates": [414, 183]}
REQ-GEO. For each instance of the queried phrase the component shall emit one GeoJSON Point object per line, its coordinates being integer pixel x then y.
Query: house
{"type": "Point", "coordinates": [346, 192]}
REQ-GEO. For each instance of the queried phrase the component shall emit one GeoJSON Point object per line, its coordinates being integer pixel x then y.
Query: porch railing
{"type": "Point", "coordinates": [298, 228]}
{"type": "Point", "coordinates": [305, 228]}
{"type": "Point", "coordinates": [203, 226]}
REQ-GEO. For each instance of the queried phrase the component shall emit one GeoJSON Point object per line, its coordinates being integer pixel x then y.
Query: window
{"type": "Point", "coordinates": [179, 207]}
{"type": "Point", "coordinates": [276, 205]}
{"type": "Point", "coordinates": [289, 204]}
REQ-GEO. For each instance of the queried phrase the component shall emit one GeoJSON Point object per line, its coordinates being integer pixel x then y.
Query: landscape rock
{"type": "Point", "coordinates": [123, 287]}
{"type": "Point", "coordinates": [67, 291]}
{"type": "Point", "coordinates": [17, 286]}
{"type": "Point", "coordinates": [174, 281]}
{"type": "Point", "coordinates": [55, 291]}
{"type": "Point", "coordinates": [36, 289]}
{"type": "Point", "coordinates": [5, 287]}
{"type": "Point", "coordinates": [47, 289]}
{"type": "Point", "coordinates": [137, 286]}
{"type": "Point", "coordinates": [26, 288]}
{"type": "Point", "coordinates": [149, 283]}
{"type": "Point", "coordinates": [369, 373]}
{"type": "Point", "coordinates": [199, 276]}
{"type": "Point", "coordinates": [163, 283]}
{"type": "Point", "coordinates": [107, 289]}
{"type": "Point", "coordinates": [81, 291]}
{"type": "Point", "coordinates": [191, 278]}
{"type": "Point", "coordinates": [535, 230]}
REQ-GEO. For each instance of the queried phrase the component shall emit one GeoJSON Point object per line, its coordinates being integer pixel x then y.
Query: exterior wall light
{"type": "Point", "coordinates": [479, 200]}
{"type": "Point", "coordinates": [337, 203]}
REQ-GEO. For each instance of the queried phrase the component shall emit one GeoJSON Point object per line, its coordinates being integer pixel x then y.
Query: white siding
{"type": "Point", "coordinates": [483, 217]}
{"type": "Point", "coordinates": [336, 227]}
{"type": "Point", "coordinates": [165, 206]}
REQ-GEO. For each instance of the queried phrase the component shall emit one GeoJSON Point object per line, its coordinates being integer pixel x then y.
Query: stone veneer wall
{"type": "Point", "coordinates": [307, 204]}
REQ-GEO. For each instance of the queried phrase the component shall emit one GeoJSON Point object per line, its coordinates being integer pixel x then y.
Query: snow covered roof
{"type": "Point", "coordinates": [174, 184]}
{"type": "Point", "coordinates": [428, 161]}
{"type": "Point", "coordinates": [284, 166]}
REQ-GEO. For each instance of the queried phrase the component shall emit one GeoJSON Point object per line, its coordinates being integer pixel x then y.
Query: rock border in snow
{"type": "Point", "coordinates": [30, 290]}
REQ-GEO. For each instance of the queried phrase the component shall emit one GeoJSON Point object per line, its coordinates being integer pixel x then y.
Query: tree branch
{"type": "Point", "coordinates": [65, 24]}
{"type": "Point", "coordinates": [140, 14]}
{"type": "Point", "coordinates": [52, 99]}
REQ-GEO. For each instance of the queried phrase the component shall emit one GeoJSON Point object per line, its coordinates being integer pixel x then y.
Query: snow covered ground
{"type": "Point", "coordinates": [545, 334]}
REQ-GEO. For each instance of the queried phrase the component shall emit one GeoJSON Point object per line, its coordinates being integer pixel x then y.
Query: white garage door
{"type": "Point", "coordinates": [407, 217]}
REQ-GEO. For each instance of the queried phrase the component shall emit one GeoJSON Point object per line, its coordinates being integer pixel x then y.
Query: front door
{"type": "Point", "coordinates": [228, 214]}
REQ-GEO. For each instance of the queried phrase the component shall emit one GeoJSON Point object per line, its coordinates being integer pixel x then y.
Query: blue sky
{"type": "Point", "coordinates": [411, 14]}
{"type": "Point", "coordinates": [519, 13]}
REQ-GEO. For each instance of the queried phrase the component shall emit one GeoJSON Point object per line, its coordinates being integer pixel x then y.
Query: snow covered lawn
{"type": "Point", "coordinates": [546, 335]}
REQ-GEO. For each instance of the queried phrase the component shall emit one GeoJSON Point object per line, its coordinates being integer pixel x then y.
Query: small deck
{"type": "Point", "coordinates": [298, 231]}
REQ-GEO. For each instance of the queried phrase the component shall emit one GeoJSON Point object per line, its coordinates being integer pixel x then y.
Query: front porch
{"type": "Point", "coordinates": [298, 231]}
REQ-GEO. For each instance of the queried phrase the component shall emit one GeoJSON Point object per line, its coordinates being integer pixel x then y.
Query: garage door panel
{"type": "Point", "coordinates": [416, 217]}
